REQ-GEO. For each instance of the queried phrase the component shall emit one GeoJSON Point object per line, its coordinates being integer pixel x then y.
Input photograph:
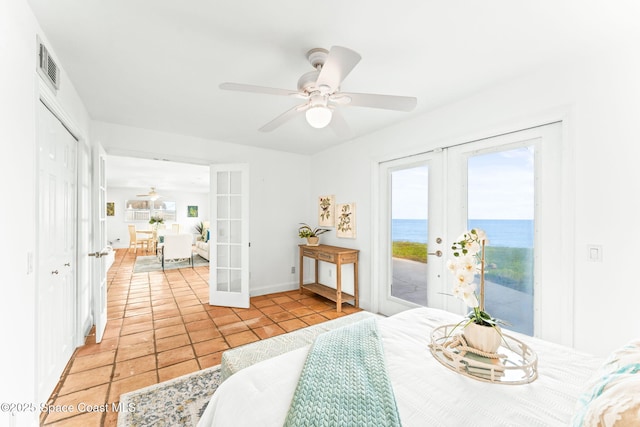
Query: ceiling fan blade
{"type": "Point", "coordinates": [284, 117]}
{"type": "Point", "coordinates": [337, 67]}
{"type": "Point", "coordinates": [339, 124]}
{"type": "Point", "coordinates": [387, 102]}
{"type": "Point", "coordinates": [241, 87]}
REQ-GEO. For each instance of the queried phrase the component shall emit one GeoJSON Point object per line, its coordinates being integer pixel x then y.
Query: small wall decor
{"type": "Point", "coordinates": [192, 211]}
{"type": "Point", "coordinates": [326, 211]}
{"type": "Point", "coordinates": [346, 220]}
{"type": "Point", "coordinates": [111, 208]}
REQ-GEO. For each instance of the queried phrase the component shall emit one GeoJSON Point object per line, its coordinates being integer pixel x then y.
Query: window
{"type": "Point", "coordinates": [143, 210]}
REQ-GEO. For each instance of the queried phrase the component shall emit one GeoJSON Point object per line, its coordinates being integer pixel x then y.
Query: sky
{"type": "Point", "coordinates": [500, 186]}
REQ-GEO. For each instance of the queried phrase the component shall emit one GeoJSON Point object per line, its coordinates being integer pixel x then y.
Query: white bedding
{"type": "Point", "coordinates": [427, 393]}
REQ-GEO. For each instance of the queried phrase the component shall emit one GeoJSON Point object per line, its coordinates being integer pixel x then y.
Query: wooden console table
{"type": "Point", "coordinates": [333, 255]}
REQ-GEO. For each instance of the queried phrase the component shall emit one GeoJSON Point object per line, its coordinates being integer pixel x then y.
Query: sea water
{"type": "Point", "coordinates": [511, 233]}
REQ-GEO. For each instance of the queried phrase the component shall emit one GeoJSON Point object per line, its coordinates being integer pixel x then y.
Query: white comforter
{"type": "Point", "coordinates": [427, 393]}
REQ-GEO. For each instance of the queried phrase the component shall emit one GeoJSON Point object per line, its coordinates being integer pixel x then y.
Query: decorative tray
{"type": "Point", "coordinates": [517, 364]}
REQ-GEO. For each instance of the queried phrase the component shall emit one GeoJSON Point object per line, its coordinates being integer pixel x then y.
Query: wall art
{"type": "Point", "coordinates": [346, 220]}
{"type": "Point", "coordinates": [326, 211]}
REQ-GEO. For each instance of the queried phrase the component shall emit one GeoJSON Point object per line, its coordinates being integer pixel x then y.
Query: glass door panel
{"type": "Point", "coordinates": [501, 201]}
{"type": "Point", "coordinates": [409, 202]}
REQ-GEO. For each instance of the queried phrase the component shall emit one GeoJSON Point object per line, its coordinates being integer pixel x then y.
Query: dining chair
{"type": "Point", "coordinates": [177, 247]}
{"type": "Point", "coordinates": [153, 242]}
{"type": "Point", "coordinates": [176, 228]}
{"type": "Point", "coordinates": [135, 240]}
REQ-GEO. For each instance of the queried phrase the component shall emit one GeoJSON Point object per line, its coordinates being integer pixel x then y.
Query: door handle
{"type": "Point", "coordinates": [436, 253]}
{"type": "Point", "coordinates": [100, 254]}
{"type": "Point", "coordinates": [54, 272]}
{"type": "Point", "coordinates": [67, 264]}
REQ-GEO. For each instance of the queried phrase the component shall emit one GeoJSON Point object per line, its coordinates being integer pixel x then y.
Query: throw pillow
{"type": "Point", "coordinates": [612, 396]}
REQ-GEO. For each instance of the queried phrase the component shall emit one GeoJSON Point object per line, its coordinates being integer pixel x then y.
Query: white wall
{"type": "Point", "coordinates": [279, 188]}
{"type": "Point", "coordinates": [117, 227]}
{"type": "Point", "coordinates": [19, 88]}
{"type": "Point", "coordinates": [601, 93]}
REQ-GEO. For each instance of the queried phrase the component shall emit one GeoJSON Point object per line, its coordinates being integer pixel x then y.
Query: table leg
{"type": "Point", "coordinates": [338, 287]}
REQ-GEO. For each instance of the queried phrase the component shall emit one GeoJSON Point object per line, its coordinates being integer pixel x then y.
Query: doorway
{"type": "Point", "coordinates": [506, 185]}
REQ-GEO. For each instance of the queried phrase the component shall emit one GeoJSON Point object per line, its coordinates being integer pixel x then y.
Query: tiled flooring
{"type": "Point", "coordinates": [160, 327]}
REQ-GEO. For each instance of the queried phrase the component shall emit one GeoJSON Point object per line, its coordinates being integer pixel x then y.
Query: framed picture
{"type": "Point", "coordinates": [111, 208]}
{"type": "Point", "coordinates": [326, 211]}
{"type": "Point", "coordinates": [346, 220]}
{"type": "Point", "coordinates": [192, 211]}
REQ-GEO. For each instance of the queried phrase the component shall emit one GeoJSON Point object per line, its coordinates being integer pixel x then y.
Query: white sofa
{"type": "Point", "coordinates": [202, 244]}
{"type": "Point", "coordinates": [202, 249]}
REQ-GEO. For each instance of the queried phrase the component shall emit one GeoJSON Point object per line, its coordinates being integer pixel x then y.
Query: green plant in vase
{"type": "Point", "coordinates": [311, 234]}
{"type": "Point", "coordinates": [155, 221]}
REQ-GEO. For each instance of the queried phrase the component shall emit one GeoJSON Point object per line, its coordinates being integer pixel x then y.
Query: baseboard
{"type": "Point", "coordinates": [272, 289]}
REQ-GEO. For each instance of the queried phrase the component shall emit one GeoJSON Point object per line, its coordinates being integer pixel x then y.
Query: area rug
{"type": "Point", "coordinates": [145, 264]}
{"type": "Point", "coordinates": [177, 402]}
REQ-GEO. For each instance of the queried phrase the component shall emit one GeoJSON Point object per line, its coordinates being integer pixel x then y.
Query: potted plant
{"type": "Point", "coordinates": [481, 330]}
{"type": "Point", "coordinates": [155, 220]}
{"type": "Point", "coordinates": [311, 234]}
{"type": "Point", "coordinates": [199, 227]}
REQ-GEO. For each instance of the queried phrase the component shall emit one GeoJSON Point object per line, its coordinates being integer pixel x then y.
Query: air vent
{"type": "Point", "coordinates": [48, 67]}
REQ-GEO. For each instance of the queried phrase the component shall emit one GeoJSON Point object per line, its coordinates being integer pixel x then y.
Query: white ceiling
{"type": "Point", "coordinates": [165, 176]}
{"type": "Point", "coordinates": [157, 64]}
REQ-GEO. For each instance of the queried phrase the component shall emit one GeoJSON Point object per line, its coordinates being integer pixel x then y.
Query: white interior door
{"type": "Point", "coordinates": [101, 250]}
{"type": "Point", "coordinates": [56, 281]}
{"type": "Point", "coordinates": [229, 246]}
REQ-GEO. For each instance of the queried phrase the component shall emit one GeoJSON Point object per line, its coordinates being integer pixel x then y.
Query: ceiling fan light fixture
{"type": "Point", "coordinates": [318, 116]}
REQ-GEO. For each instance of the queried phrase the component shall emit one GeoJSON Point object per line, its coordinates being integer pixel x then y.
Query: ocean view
{"type": "Point", "coordinates": [512, 233]}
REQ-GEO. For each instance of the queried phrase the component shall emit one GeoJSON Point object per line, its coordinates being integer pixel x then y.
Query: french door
{"type": "Point", "coordinates": [99, 289]}
{"type": "Point", "coordinates": [507, 185]}
{"type": "Point", "coordinates": [412, 225]}
{"type": "Point", "coordinates": [229, 272]}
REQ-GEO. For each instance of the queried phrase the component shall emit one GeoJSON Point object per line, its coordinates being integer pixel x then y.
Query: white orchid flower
{"type": "Point", "coordinates": [466, 292]}
{"type": "Point", "coordinates": [468, 263]}
{"type": "Point", "coordinates": [472, 247]}
{"type": "Point", "coordinates": [481, 236]}
{"type": "Point", "coordinates": [452, 265]}
{"type": "Point", "coordinates": [463, 277]}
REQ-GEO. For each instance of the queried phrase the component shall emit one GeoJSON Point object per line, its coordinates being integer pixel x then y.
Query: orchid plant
{"type": "Point", "coordinates": [468, 260]}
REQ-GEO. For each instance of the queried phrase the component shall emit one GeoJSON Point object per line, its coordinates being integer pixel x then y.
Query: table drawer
{"type": "Point", "coordinates": [309, 253]}
{"type": "Point", "coordinates": [326, 256]}
{"type": "Point", "coordinates": [348, 258]}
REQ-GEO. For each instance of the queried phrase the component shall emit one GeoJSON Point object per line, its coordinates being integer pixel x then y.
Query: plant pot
{"type": "Point", "coordinates": [313, 241]}
{"type": "Point", "coordinates": [483, 338]}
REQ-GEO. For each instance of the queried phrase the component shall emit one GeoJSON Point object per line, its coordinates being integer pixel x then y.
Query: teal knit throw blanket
{"type": "Point", "coordinates": [344, 382]}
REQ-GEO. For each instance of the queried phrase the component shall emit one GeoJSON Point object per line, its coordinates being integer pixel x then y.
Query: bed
{"type": "Point", "coordinates": [427, 393]}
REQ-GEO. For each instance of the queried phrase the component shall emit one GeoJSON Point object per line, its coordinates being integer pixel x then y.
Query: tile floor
{"type": "Point", "coordinates": [160, 327]}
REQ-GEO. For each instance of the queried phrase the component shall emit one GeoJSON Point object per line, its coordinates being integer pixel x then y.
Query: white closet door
{"type": "Point", "coordinates": [56, 282]}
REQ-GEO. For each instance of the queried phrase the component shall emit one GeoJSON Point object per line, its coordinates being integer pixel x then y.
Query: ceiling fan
{"type": "Point", "coordinates": [152, 194]}
{"type": "Point", "coordinates": [320, 89]}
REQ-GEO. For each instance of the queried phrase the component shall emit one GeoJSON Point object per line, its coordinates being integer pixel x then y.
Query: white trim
{"type": "Point", "coordinates": [49, 99]}
{"type": "Point", "coordinates": [274, 288]}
